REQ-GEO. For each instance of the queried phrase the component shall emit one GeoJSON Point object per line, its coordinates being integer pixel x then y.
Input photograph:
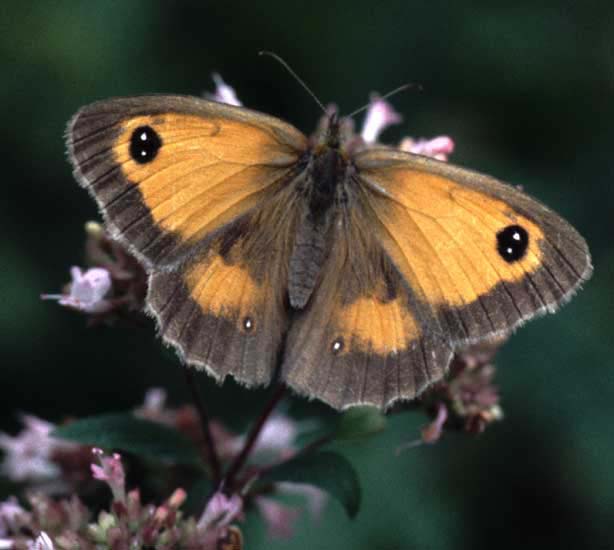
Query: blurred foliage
{"type": "Point", "coordinates": [325, 470]}
{"type": "Point", "coordinates": [127, 433]}
{"type": "Point", "coordinates": [525, 88]}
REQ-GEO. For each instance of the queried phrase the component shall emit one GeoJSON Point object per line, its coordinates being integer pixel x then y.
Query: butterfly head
{"type": "Point", "coordinates": [332, 132]}
{"type": "Point", "coordinates": [336, 133]}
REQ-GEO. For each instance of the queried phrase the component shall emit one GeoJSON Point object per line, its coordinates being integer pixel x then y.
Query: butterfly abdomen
{"type": "Point", "coordinates": [325, 174]}
{"type": "Point", "coordinates": [308, 255]}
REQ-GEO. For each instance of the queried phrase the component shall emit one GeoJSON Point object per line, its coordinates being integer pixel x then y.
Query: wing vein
{"type": "Point", "coordinates": [392, 237]}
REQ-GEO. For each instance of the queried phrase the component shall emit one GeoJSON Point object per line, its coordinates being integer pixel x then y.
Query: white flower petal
{"type": "Point", "coordinates": [380, 115]}
{"type": "Point", "coordinates": [223, 92]}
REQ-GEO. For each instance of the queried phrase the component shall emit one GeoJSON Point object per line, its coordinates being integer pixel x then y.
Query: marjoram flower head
{"type": "Point", "coordinates": [87, 291]}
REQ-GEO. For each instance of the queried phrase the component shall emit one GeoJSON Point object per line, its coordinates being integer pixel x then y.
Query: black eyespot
{"type": "Point", "coordinates": [512, 243]}
{"type": "Point", "coordinates": [248, 324]}
{"type": "Point", "coordinates": [144, 144]}
{"type": "Point", "coordinates": [337, 346]}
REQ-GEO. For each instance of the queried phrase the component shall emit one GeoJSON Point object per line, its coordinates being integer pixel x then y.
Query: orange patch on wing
{"type": "Point", "coordinates": [207, 172]}
{"type": "Point", "coordinates": [442, 236]}
{"type": "Point", "coordinates": [224, 290]}
{"type": "Point", "coordinates": [383, 327]}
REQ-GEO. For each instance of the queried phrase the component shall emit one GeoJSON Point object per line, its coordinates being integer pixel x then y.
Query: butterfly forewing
{"type": "Point", "coordinates": [170, 171]}
{"type": "Point", "coordinates": [200, 192]}
{"type": "Point", "coordinates": [483, 255]}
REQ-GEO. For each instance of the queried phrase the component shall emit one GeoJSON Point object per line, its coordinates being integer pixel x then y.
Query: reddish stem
{"type": "Point", "coordinates": [209, 445]}
{"type": "Point", "coordinates": [252, 438]}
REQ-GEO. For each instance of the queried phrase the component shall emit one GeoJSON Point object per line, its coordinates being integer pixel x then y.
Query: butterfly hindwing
{"type": "Point", "coordinates": [191, 188]}
{"type": "Point", "coordinates": [364, 338]}
{"type": "Point", "coordinates": [225, 310]}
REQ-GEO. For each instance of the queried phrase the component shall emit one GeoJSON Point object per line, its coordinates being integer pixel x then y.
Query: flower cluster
{"type": "Point", "coordinates": [29, 456]}
{"type": "Point", "coordinates": [67, 524]}
{"type": "Point", "coordinates": [466, 400]}
{"type": "Point", "coordinates": [381, 114]}
{"type": "Point", "coordinates": [34, 456]}
{"type": "Point", "coordinates": [113, 288]}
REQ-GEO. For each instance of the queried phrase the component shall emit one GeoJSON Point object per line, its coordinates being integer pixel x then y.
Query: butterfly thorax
{"type": "Point", "coordinates": [328, 165]}
{"type": "Point", "coordinates": [325, 174]}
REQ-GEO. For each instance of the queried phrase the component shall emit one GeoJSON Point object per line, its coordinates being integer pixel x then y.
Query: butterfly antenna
{"type": "Point", "coordinates": [402, 88]}
{"type": "Point", "coordinates": [296, 77]}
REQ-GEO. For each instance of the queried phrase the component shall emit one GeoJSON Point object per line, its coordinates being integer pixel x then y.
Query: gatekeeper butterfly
{"type": "Point", "coordinates": [359, 270]}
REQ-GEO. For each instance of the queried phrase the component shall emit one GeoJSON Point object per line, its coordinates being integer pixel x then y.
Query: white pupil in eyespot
{"type": "Point", "coordinates": [516, 236]}
{"type": "Point", "coordinates": [509, 250]}
{"type": "Point", "coordinates": [143, 136]}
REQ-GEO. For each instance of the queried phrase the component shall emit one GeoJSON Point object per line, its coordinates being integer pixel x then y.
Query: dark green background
{"type": "Point", "coordinates": [524, 88]}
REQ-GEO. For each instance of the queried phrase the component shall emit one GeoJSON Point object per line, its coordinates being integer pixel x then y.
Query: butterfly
{"type": "Point", "coordinates": [350, 273]}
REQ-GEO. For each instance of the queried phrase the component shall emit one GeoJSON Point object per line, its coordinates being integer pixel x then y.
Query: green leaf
{"type": "Point", "coordinates": [360, 422]}
{"type": "Point", "coordinates": [309, 436]}
{"type": "Point", "coordinates": [126, 432]}
{"type": "Point", "coordinates": [329, 471]}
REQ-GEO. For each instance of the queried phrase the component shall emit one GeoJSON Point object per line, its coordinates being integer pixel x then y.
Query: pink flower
{"type": "Point", "coordinates": [280, 519]}
{"type": "Point", "coordinates": [220, 512]}
{"type": "Point", "coordinates": [277, 436]}
{"type": "Point", "coordinates": [316, 498]}
{"type": "Point", "coordinates": [111, 471]}
{"type": "Point", "coordinates": [223, 92]}
{"type": "Point", "coordinates": [28, 455]}
{"type": "Point", "coordinates": [154, 408]}
{"type": "Point", "coordinates": [87, 291]}
{"type": "Point", "coordinates": [439, 147]}
{"type": "Point", "coordinates": [12, 517]}
{"type": "Point", "coordinates": [276, 439]}
{"type": "Point", "coordinates": [380, 115]}
{"type": "Point", "coordinates": [432, 432]}
{"type": "Point", "coordinates": [155, 400]}
{"type": "Point", "coordinates": [42, 542]}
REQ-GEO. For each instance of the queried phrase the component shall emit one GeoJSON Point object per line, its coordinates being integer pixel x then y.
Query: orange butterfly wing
{"type": "Point", "coordinates": [190, 187]}
{"type": "Point", "coordinates": [423, 263]}
{"type": "Point", "coordinates": [364, 338]}
{"type": "Point", "coordinates": [443, 226]}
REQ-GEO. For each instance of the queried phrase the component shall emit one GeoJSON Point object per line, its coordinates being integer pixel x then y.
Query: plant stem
{"type": "Point", "coordinates": [252, 438]}
{"type": "Point", "coordinates": [209, 445]}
